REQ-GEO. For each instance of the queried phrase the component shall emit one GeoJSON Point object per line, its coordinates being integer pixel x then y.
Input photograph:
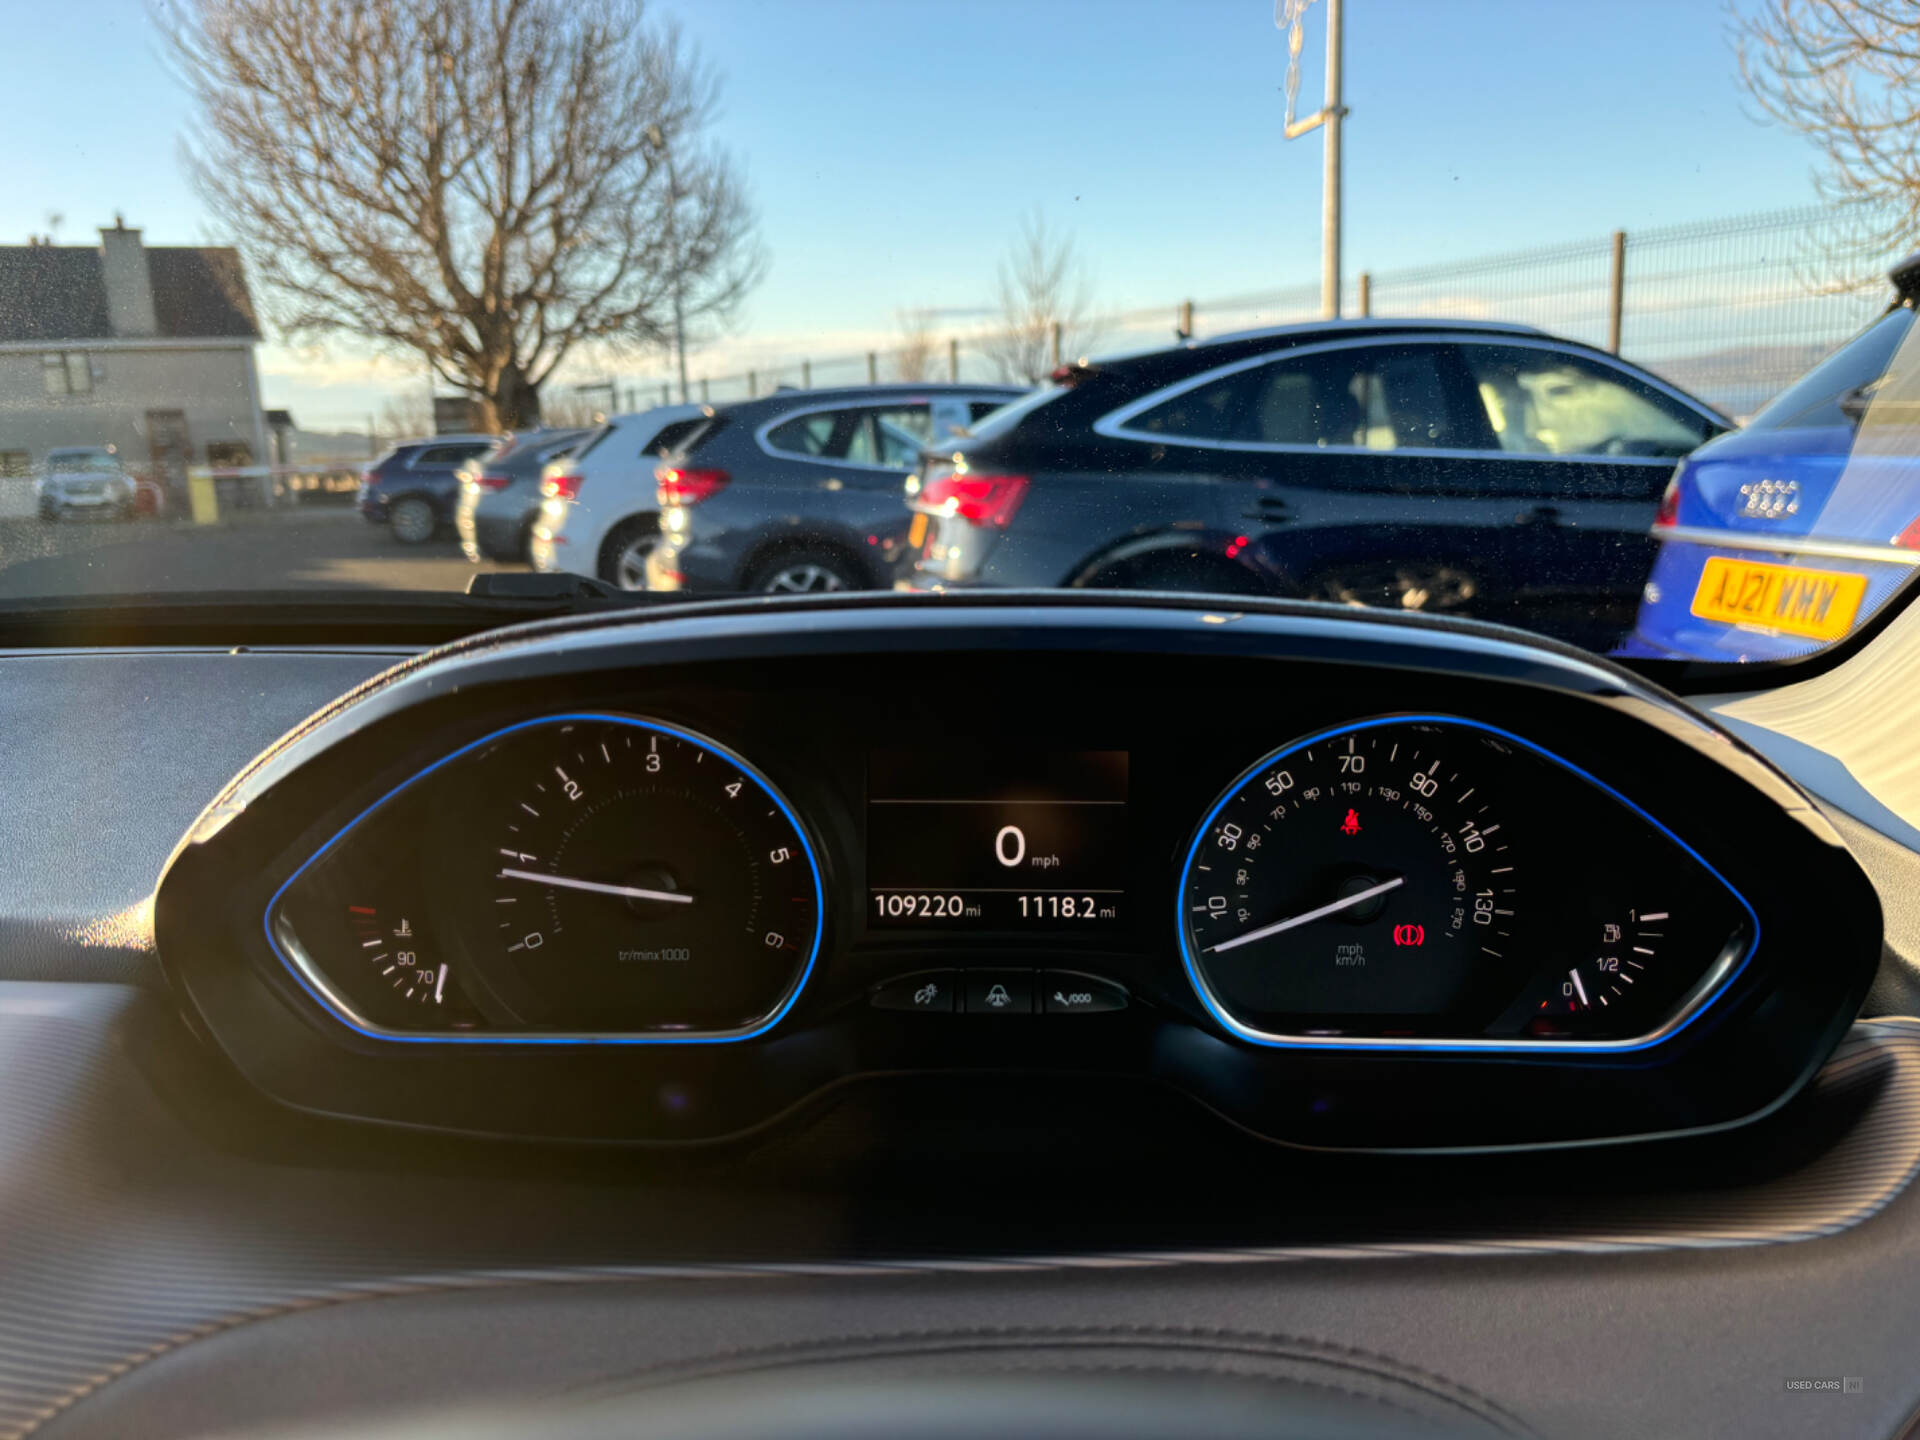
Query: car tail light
{"type": "Point", "coordinates": [369, 478]}
{"type": "Point", "coordinates": [689, 487]}
{"type": "Point", "coordinates": [989, 500]}
{"type": "Point", "coordinates": [1668, 514]}
{"type": "Point", "coordinates": [493, 482]}
{"type": "Point", "coordinates": [563, 485]}
{"type": "Point", "coordinates": [1909, 538]}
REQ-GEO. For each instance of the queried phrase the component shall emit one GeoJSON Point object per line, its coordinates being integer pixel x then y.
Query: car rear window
{"type": "Point", "coordinates": [1815, 399]}
{"type": "Point", "coordinates": [675, 434]}
{"type": "Point", "coordinates": [1000, 421]}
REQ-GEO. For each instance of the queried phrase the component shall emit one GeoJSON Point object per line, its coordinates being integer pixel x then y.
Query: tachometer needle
{"type": "Point", "coordinates": [567, 882]}
{"type": "Point", "coordinates": [1346, 902]}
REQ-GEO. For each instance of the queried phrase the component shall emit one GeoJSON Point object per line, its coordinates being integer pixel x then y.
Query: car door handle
{"type": "Point", "coordinates": [1265, 507]}
{"type": "Point", "coordinates": [1540, 515]}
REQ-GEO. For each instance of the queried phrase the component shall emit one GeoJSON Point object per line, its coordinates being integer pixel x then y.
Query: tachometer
{"type": "Point", "coordinates": [644, 879]}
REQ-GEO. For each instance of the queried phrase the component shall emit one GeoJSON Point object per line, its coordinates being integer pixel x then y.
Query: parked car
{"type": "Point", "coordinates": [500, 493]}
{"type": "Point", "coordinates": [1472, 468]}
{"type": "Point", "coordinates": [83, 480]}
{"type": "Point", "coordinates": [1782, 536]}
{"type": "Point", "coordinates": [412, 489]}
{"type": "Point", "coordinates": [598, 516]}
{"type": "Point", "coordinates": [802, 490]}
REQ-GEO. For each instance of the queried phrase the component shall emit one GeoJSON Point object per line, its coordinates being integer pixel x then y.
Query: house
{"type": "Point", "coordinates": [149, 349]}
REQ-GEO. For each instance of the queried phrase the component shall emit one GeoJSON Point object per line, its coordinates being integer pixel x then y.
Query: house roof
{"type": "Point", "coordinates": [56, 292]}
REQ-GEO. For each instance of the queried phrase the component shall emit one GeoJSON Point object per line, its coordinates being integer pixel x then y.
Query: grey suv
{"type": "Point", "coordinates": [803, 490]}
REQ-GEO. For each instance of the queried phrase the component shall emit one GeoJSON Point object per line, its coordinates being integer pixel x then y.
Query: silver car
{"type": "Point", "coordinates": [83, 479]}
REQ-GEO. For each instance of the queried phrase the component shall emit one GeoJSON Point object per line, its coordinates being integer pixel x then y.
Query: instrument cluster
{"type": "Point", "coordinates": [617, 889]}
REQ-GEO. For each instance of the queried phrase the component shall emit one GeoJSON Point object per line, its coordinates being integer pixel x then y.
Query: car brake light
{"type": "Point", "coordinates": [689, 487]}
{"type": "Point", "coordinates": [1909, 538]}
{"type": "Point", "coordinates": [493, 482]}
{"type": "Point", "coordinates": [978, 499]}
{"type": "Point", "coordinates": [1668, 514]}
{"type": "Point", "coordinates": [564, 485]}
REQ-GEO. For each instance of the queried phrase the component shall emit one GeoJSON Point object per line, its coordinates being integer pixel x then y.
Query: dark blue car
{"type": "Point", "coordinates": [414, 488]}
{"type": "Point", "coordinates": [1456, 467]}
{"type": "Point", "coordinates": [1783, 536]}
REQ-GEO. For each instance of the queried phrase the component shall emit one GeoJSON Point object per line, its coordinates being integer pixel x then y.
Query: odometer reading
{"type": "Point", "coordinates": [1362, 881]}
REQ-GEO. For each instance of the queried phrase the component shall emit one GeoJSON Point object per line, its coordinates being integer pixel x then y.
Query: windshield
{"type": "Point", "coordinates": [1628, 378]}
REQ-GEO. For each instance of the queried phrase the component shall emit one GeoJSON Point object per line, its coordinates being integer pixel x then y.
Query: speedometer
{"type": "Point", "coordinates": [1434, 881]}
{"type": "Point", "coordinates": [1368, 873]}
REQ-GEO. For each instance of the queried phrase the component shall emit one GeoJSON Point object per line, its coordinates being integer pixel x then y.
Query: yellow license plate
{"type": "Point", "coordinates": [916, 532]}
{"type": "Point", "coordinates": [1819, 604]}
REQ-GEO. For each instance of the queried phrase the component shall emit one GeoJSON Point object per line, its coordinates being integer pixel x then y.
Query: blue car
{"type": "Point", "coordinates": [1784, 536]}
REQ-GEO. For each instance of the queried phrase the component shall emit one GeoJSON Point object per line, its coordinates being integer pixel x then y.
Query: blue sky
{"type": "Point", "coordinates": [892, 147]}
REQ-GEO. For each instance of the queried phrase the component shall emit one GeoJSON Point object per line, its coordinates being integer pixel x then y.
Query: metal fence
{"type": "Point", "coordinates": [1731, 309]}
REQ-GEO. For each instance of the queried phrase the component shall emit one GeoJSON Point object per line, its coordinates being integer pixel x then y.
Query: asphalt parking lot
{"type": "Point", "coordinates": [294, 549]}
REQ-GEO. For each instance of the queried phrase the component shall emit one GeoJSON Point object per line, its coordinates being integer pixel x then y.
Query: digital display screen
{"type": "Point", "coordinates": [996, 839]}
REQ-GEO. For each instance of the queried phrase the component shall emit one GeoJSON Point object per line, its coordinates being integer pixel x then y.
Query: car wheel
{"type": "Point", "coordinates": [412, 521]}
{"type": "Point", "coordinates": [1435, 587]}
{"type": "Point", "coordinates": [623, 558]}
{"type": "Point", "coordinates": [805, 572]}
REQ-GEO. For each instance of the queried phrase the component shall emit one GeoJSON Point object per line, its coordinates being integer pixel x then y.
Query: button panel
{"type": "Point", "coordinates": [932, 991]}
{"type": "Point", "coordinates": [999, 992]}
{"type": "Point", "coordinates": [1067, 992]}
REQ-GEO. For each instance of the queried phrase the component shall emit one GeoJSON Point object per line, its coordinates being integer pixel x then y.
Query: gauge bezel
{"type": "Point", "coordinates": [312, 979]}
{"type": "Point", "coordinates": [1725, 969]}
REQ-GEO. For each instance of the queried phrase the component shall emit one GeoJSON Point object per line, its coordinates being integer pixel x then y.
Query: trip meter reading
{"type": "Point", "coordinates": [996, 839]}
{"type": "Point", "coordinates": [1433, 881]}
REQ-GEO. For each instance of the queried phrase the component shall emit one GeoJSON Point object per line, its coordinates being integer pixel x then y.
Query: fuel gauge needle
{"type": "Point", "coordinates": [1346, 902]}
{"type": "Point", "coordinates": [567, 882]}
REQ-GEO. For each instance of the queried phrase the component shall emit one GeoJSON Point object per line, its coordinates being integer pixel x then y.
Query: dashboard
{"type": "Point", "coordinates": [1347, 881]}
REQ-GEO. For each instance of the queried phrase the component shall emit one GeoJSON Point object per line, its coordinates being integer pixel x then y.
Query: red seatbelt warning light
{"type": "Point", "coordinates": [1351, 825]}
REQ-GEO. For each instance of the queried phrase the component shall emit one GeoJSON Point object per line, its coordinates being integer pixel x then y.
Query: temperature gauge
{"type": "Point", "coordinates": [396, 953]}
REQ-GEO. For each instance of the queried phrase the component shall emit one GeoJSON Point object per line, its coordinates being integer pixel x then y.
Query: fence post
{"type": "Point", "coordinates": [806, 374]}
{"type": "Point", "coordinates": [1366, 293]}
{"type": "Point", "coordinates": [1053, 346]}
{"type": "Point", "coordinates": [753, 383]}
{"type": "Point", "coordinates": [703, 389]}
{"type": "Point", "coordinates": [1183, 327]}
{"type": "Point", "coordinates": [1616, 290]}
{"type": "Point", "coordinates": [953, 361]}
{"type": "Point", "coordinates": [873, 367]}
{"type": "Point", "coordinates": [666, 393]}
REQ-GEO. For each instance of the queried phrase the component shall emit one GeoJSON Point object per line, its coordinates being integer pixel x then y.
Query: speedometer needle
{"type": "Point", "coordinates": [1344, 903]}
{"type": "Point", "coordinates": [567, 882]}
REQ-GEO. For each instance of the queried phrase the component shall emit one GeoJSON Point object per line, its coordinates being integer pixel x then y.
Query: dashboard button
{"type": "Point", "coordinates": [1065, 992]}
{"type": "Point", "coordinates": [1000, 992]}
{"type": "Point", "coordinates": [930, 990]}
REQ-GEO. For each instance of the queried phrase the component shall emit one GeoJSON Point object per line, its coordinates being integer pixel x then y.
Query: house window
{"type": "Point", "coordinates": [67, 374]}
{"type": "Point", "coordinates": [15, 464]}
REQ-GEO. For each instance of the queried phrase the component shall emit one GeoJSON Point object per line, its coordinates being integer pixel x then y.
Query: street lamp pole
{"type": "Point", "coordinates": [657, 138]}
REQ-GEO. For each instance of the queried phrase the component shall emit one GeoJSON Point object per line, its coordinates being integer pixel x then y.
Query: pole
{"type": "Point", "coordinates": [703, 389]}
{"type": "Point", "coordinates": [1366, 293]}
{"type": "Point", "coordinates": [873, 367]}
{"type": "Point", "coordinates": [679, 289]}
{"type": "Point", "coordinates": [1616, 291]}
{"type": "Point", "coordinates": [666, 394]}
{"type": "Point", "coordinates": [753, 383]}
{"type": "Point", "coordinates": [953, 361]}
{"type": "Point", "coordinates": [1330, 196]}
{"type": "Point", "coordinates": [1184, 330]}
{"type": "Point", "coordinates": [806, 374]}
{"type": "Point", "coordinates": [1053, 347]}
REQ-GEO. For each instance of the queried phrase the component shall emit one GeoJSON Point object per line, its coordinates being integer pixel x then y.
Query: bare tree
{"type": "Point", "coordinates": [1846, 74]}
{"type": "Point", "coordinates": [1042, 284]}
{"type": "Point", "coordinates": [489, 183]}
{"type": "Point", "coordinates": [913, 360]}
{"type": "Point", "coordinates": [407, 416]}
